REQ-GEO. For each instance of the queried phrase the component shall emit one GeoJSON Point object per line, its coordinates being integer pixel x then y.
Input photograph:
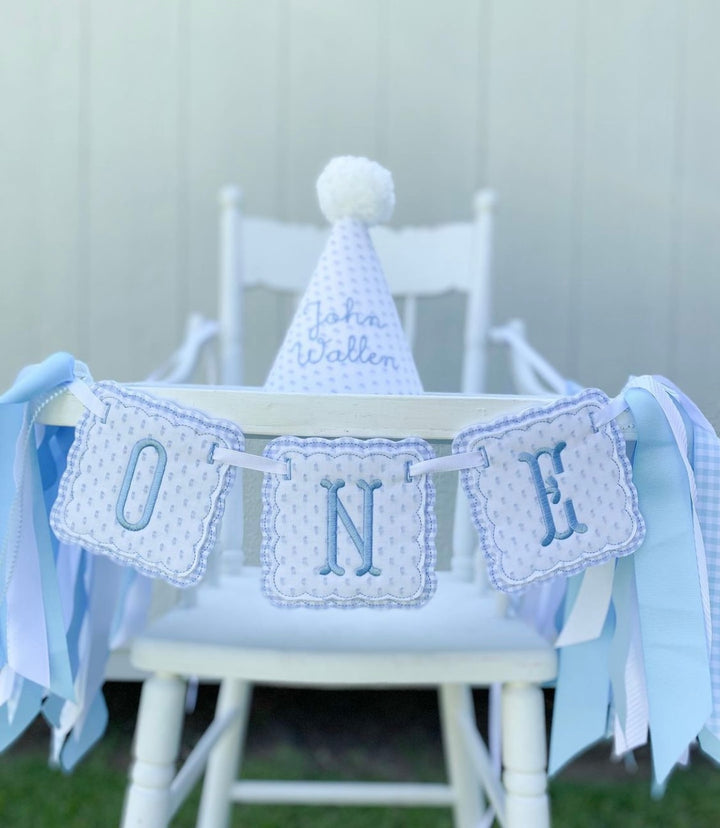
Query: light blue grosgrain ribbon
{"type": "Point", "coordinates": [670, 602]}
{"type": "Point", "coordinates": [580, 712]}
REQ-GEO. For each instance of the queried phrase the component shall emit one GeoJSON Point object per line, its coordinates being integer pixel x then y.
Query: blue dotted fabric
{"type": "Point", "coordinates": [557, 495]}
{"type": "Point", "coordinates": [299, 524]}
{"type": "Point", "coordinates": [156, 509]}
{"type": "Point", "coordinates": [346, 336]}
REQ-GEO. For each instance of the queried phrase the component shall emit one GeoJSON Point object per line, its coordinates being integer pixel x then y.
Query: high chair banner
{"type": "Point", "coordinates": [350, 522]}
{"type": "Point", "coordinates": [551, 493]}
{"type": "Point", "coordinates": [146, 480]}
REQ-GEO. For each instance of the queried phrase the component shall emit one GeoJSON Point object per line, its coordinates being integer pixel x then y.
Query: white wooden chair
{"type": "Point", "coordinates": [234, 635]}
{"type": "Point", "coordinates": [420, 263]}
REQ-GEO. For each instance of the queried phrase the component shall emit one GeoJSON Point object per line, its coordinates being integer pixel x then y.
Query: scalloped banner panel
{"type": "Point", "coordinates": [556, 493]}
{"type": "Point", "coordinates": [347, 526]}
{"type": "Point", "coordinates": [141, 485]}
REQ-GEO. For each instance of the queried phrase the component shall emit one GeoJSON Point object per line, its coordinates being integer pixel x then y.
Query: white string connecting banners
{"type": "Point", "coordinates": [477, 459]}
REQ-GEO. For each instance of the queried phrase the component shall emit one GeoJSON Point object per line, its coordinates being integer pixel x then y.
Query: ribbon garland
{"type": "Point", "coordinates": [637, 656]}
{"type": "Point", "coordinates": [661, 666]}
{"type": "Point", "coordinates": [58, 606]}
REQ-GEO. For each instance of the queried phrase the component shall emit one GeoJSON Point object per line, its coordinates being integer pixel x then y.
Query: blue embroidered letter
{"type": "Point", "coordinates": [364, 545]}
{"type": "Point", "coordinates": [548, 492]}
{"type": "Point", "coordinates": [140, 446]}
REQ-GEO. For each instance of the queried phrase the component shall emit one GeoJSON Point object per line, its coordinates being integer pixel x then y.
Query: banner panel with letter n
{"type": "Point", "coordinates": [347, 525]}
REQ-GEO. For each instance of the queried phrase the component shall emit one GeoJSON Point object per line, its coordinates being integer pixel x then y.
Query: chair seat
{"type": "Point", "coordinates": [456, 636]}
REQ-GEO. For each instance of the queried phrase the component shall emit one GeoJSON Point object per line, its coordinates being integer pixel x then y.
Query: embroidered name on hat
{"type": "Point", "coordinates": [556, 494]}
{"type": "Point", "coordinates": [347, 526]}
{"type": "Point", "coordinates": [141, 484]}
{"type": "Point", "coordinates": [328, 339]}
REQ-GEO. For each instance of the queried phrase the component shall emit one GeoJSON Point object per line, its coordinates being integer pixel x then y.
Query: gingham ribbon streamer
{"type": "Point", "coordinates": [706, 457]}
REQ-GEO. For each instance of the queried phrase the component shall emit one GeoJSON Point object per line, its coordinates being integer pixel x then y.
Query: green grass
{"type": "Point", "coordinates": [692, 800]}
{"type": "Point", "coordinates": [389, 736]}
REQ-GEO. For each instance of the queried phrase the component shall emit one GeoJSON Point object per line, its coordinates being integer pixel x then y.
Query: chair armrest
{"type": "Point", "coordinates": [181, 365]}
{"type": "Point", "coordinates": [532, 373]}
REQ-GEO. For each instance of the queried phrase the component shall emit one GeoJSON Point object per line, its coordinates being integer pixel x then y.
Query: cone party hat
{"type": "Point", "coordinates": [346, 335]}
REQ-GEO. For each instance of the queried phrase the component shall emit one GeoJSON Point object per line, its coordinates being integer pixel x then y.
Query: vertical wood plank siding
{"type": "Point", "coordinates": [597, 122]}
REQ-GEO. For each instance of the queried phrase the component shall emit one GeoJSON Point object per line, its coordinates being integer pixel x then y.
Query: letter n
{"type": "Point", "coordinates": [363, 543]}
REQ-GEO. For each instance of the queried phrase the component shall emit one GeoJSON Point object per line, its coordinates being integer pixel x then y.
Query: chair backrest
{"type": "Point", "coordinates": [418, 262]}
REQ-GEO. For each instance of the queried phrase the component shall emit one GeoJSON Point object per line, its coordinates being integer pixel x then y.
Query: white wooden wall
{"type": "Point", "coordinates": [597, 122]}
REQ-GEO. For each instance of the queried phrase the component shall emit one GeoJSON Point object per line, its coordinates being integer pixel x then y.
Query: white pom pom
{"type": "Point", "coordinates": [357, 188]}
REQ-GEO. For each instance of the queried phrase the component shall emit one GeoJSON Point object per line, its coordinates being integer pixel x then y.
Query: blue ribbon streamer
{"type": "Point", "coordinates": [36, 380]}
{"type": "Point", "coordinates": [61, 679]}
{"type": "Point", "coordinates": [29, 703]}
{"type": "Point", "coordinates": [78, 744]}
{"type": "Point", "coordinates": [32, 383]}
{"type": "Point", "coordinates": [580, 711]}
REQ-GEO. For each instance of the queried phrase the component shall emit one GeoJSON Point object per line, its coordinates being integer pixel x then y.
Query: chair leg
{"type": "Point", "coordinates": [157, 742]}
{"type": "Point", "coordinates": [525, 757]}
{"type": "Point", "coordinates": [455, 702]}
{"type": "Point", "coordinates": [224, 762]}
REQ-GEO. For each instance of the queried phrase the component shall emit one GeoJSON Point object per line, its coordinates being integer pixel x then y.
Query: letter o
{"type": "Point", "coordinates": [138, 448]}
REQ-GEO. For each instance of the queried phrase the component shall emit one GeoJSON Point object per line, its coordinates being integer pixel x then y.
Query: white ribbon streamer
{"type": "Point", "coordinates": [633, 731]}
{"type": "Point", "coordinates": [587, 617]}
{"type": "Point", "coordinates": [637, 719]}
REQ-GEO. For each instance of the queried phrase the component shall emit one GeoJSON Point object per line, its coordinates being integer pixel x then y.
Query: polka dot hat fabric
{"type": "Point", "coordinates": [346, 336]}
